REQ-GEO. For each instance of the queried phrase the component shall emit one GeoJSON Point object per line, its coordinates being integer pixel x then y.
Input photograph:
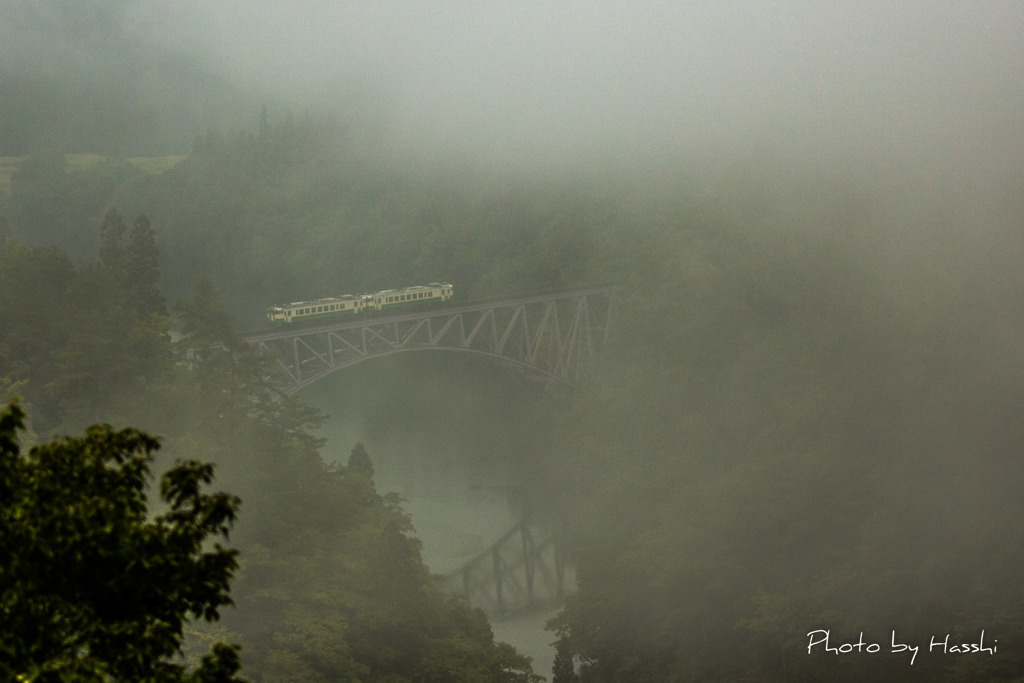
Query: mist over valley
{"type": "Point", "coordinates": [804, 416]}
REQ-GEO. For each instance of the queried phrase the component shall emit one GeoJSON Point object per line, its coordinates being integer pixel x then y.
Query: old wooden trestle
{"type": "Point", "coordinates": [550, 336]}
{"type": "Point", "coordinates": [522, 569]}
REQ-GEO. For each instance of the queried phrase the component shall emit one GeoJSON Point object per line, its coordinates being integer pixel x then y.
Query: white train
{"type": "Point", "coordinates": [348, 303]}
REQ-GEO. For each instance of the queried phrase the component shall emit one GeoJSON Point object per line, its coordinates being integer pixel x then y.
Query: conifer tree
{"type": "Point", "coordinates": [359, 461]}
{"type": "Point", "coordinates": [563, 670]}
{"type": "Point", "coordinates": [112, 230]}
{"type": "Point", "coordinates": [142, 270]}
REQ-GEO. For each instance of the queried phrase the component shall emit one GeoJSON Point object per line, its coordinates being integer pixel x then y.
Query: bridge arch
{"type": "Point", "coordinates": [551, 336]}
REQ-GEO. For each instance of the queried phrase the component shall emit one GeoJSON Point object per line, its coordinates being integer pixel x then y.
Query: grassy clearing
{"type": "Point", "coordinates": [74, 163]}
{"type": "Point", "coordinates": [155, 165]}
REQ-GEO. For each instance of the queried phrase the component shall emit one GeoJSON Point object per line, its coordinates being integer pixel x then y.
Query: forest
{"type": "Point", "coordinates": [806, 419]}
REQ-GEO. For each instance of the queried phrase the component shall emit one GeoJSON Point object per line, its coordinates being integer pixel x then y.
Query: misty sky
{"type": "Point", "coordinates": [519, 78]}
{"type": "Point", "coordinates": [522, 81]}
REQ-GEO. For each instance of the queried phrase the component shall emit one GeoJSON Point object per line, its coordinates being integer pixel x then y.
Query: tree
{"type": "Point", "coordinates": [142, 270]}
{"type": "Point", "coordinates": [92, 586]}
{"type": "Point", "coordinates": [359, 461]}
{"type": "Point", "coordinates": [112, 230]}
{"type": "Point", "coordinates": [563, 670]}
{"type": "Point", "coordinates": [205, 320]}
{"type": "Point", "coordinates": [39, 197]}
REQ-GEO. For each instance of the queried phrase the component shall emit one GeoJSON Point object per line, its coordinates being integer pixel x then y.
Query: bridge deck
{"type": "Point", "coordinates": [552, 335]}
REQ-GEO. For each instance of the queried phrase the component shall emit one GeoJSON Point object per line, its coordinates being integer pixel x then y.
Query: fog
{"type": "Point", "coordinates": [528, 86]}
{"type": "Point", "coordinates": [818, 206]}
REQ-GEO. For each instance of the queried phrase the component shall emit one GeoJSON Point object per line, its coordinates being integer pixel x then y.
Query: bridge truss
{"type": "Point", "coordinates": [552, 337]}
{"type": "Point", "coordinates": [522, 569]}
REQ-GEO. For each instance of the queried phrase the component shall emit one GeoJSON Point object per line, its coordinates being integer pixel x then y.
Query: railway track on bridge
{"type": "Point", "coordinates": [553, 336]}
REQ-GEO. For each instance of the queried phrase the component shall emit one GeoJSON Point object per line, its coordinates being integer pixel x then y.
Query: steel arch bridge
{"type": "Point", "coordinates": [549, 336]}
{"type": "Point", "coordinates": [524, 568]}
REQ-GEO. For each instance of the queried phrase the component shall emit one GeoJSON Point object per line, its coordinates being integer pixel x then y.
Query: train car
{"type": "Point", "coordinates": [320, 308]}
{"type": "Point", "coordinates": [408, 296]}
{"type": "Point", "coordinates": [349, 304]}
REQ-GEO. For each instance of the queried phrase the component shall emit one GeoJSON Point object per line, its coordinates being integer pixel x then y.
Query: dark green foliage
{"type": "Point", "coordinates": [563, 670]}
{"type": "Point", "coordinates": [135, 267]}
{"type": "Point", "coordinates": [52, 204]}
{"type": "Point", "coordinates": [359, 461]}
{"type": "Point", "coordinates": [205, 320]}
{"type": "Point", "coordinates": [796, 448]}
{"type": "Point", "coordinates": [128, 97]}
{"type": "Point", "coordinates": [91, 586]}
{"type": "Point", "coordinates": [802, 424]}
{"type": "Point", "coordinates": [39, 191]}
{"type": "Point", "coordinates": [142, 270]}
{"type": "Point", "coordinates": [72, 333]}
{"type": "Point", "coordinates": [332, 585]}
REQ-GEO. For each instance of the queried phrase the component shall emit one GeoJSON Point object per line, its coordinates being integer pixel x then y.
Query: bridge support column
{"type": "Point", "coordinates": [496, 557]}
{"type": "Point", "coordinates": [528, 560]}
